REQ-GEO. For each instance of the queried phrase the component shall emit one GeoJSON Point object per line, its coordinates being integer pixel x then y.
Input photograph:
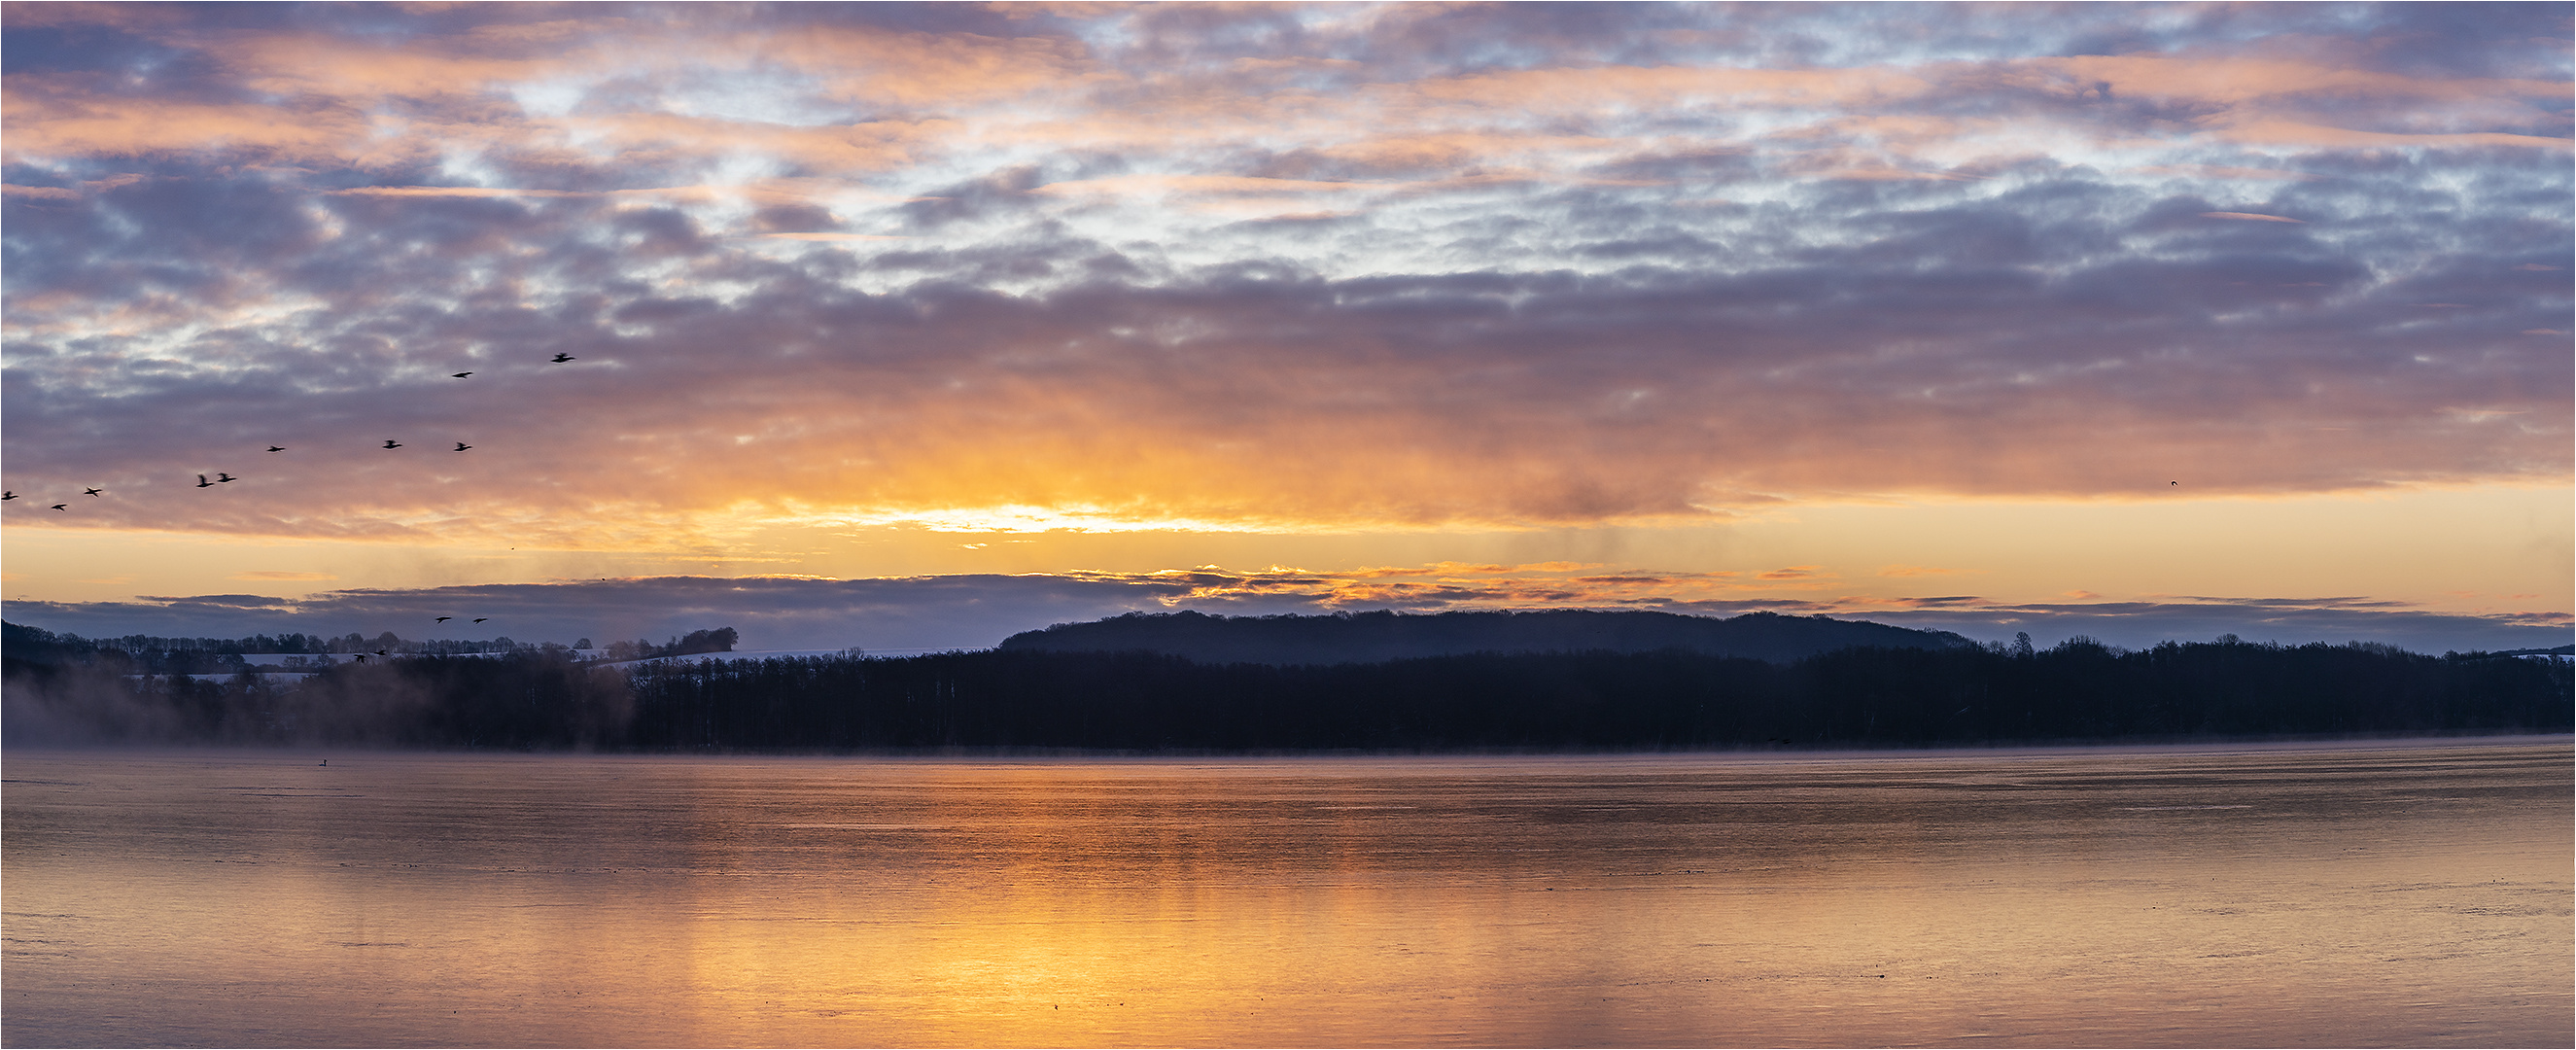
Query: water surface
{"type": "Point", "coordinates": [2397, 894]}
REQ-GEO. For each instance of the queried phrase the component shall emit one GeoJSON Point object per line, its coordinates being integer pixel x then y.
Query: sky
{"type": "Point", "coordinates": [902, 327]}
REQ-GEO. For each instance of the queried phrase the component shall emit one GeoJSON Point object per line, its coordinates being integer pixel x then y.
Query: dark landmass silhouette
{"type": "Point", "coordinates": [1376, 637]}
{"type": "Point", "coordinates": [2562, 650]}
{"type": "Point", "coordinates": [547, 698]}
{"type": "Point", "coordinates": [154, 654]}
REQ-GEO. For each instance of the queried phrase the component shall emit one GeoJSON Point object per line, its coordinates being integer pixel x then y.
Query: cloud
{"type": "Point", "coordinates": [832, 238]}
{"type": "Point", "coordinates": [1269, 271]}
{"type": "Point", "coordinates": [453, 191]}
{"type": "Point", "coordinates": [2211, 171]}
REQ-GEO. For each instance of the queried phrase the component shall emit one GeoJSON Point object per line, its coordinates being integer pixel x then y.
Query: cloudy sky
{"type": "Point", "coordinates": [902, 326]}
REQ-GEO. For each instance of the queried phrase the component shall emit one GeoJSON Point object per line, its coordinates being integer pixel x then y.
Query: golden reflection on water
{"type": "Point", "coordinates": [2396, 895]}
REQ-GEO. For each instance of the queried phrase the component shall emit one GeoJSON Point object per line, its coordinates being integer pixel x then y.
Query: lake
{"type": "Point", "coordinates": [2406, 893]}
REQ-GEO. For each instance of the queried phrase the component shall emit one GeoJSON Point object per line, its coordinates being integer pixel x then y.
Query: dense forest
{"type": "Point", "coordinates": [547, 698]}
{"type": "Point", "coordinates": [1376, 637]}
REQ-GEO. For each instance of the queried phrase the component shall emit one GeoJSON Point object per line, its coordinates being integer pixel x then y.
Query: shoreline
{"type": "Point", "coordinates": [2210, 745]}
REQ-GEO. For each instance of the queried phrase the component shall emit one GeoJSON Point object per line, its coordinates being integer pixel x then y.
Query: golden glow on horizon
{"type": "Point", "coordinates": [2491, 549]}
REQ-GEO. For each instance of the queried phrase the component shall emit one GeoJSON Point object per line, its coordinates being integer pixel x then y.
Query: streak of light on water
{"type": "Point", "coordinates": [2348, 894]}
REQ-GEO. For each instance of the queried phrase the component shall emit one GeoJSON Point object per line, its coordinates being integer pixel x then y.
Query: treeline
{"type": "Point", "coordinates": [1383, 635]}
{"type": "Point", "coordinates": [719, 640]}
{"type": "Point", "coordinates": [152, 654]}
{"type": "Point", "coordinates": [1141, 702]}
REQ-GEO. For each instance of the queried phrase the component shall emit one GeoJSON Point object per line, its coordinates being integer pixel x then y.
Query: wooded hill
{"type": "Point", "coordinates": [1376, 637]}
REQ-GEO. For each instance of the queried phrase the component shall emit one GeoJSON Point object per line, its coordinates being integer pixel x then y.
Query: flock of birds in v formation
{"type": "Point", "coordinates": [221, 477]}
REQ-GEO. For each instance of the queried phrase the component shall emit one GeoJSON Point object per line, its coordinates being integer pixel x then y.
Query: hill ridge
{"type": "Point", "coordinates": [1383, 635]}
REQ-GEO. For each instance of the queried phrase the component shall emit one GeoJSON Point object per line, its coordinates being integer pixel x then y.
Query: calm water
{"type": "Point", "coordinates": [2411, 894]}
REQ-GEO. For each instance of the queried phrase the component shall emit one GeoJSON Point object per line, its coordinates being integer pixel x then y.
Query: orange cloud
{"type": "Point", "coordinates": [1441, 586]}
{"type": "Point", "coordinates": [41, 127]}
{"type": "Point", "coordinates": [2241, 79]}
{"type": "Point", "coordinates": [2273, 131]}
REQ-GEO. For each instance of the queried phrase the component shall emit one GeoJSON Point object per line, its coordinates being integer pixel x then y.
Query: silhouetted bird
{"type": "Point", "coordinates": [275, 448]}
{"type": "Point", "coordinates": [4, 495]}
{"type": "Point", "coordinates": [2173, 483]}
{"type": "Point", "coordinates": [221, 477]}
{"type": "Point", "coordinates": [203, 483]}
{"type": "Point", "coordinates": [561, 358]}
{"type": "Point", "coordinates": [444, 619]}
{"type": "Point", "coordinates": [461, 375]}
{"type": "Point", "coordinates": [480, 619]}
{"type": "Point", "coordinates": [89, 492]}
{"type": "Point", "coordinates": [60, 506]}
{"type": "Point", "coordinates": [381, 652]}
{"type": "Point", "coordinates": [461, 446]}
{"type": "Point", "coordinates": [391, 443]}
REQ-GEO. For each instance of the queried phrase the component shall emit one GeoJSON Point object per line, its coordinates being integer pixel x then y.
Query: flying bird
{"type": "Point", "coordinates": [561, 358]}
{"type": "Point", "coordinates": [275, 448]}
{"type": "Point", "coordinates": [2173, 483]}
{"type": "Point", "coordinates": [89, 492]}
{"type": "Point", "coordinates": [221, 477]}
{"type": "Point", "coordinates": [444, 619]}
{"type": "Point", "coordinates": [8, 495]}
{"type": "Point", "coordinates": [391, 443]}
{"type": "Point", "coordinates": [203, 483]}
{"type": "Point", "coordinates": [461, 446]}
{"type": "Point", "coordinates": [480, 619]}
{"type": "Point", "coordinates": [60, 506]}
{"type": "Point", "coordinates": [461, 375]}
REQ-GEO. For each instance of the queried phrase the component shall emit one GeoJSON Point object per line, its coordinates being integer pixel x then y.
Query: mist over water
{"type": "Point", "coordinates": [2397, 894]}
